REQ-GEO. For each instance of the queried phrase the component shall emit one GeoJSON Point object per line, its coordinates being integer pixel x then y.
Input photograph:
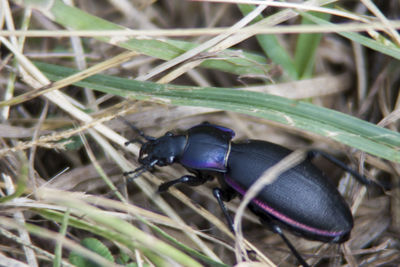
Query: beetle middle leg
{"type": "Point", "coordinates": [224, 196]}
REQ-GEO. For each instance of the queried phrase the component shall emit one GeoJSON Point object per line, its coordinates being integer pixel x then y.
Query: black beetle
{"type": "Point", "coordinates": [301, 199]}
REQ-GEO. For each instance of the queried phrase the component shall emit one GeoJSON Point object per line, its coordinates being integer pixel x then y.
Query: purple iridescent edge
{"type": "Point", "coordinates": [213, 164]}
{"type": "Point", "coordinates": [224, 129]}
{"type": "Point", "coordinates": [279, 215]}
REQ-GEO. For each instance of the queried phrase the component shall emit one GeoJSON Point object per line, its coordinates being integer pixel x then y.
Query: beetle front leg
{"type": "Point", "coordinates": [190, 180]}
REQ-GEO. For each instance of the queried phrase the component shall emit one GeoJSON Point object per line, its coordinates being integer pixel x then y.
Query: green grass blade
{"type": "Point", "coordinates": [238, 62]}
{"type": "Point", "coordinates": [385, 46]}
{"type": "Point", "coordinates": [272, 48]}
{"type": "Point", "coordinates": [118, 230]}
{"type": "Point", "coordinates": [306, 48]}
{"type": "Point", "coordinates": [338, 126]}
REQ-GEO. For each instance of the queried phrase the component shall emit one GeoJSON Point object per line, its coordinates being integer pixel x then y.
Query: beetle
{"type": "Point", "coordinates": [301, 199]}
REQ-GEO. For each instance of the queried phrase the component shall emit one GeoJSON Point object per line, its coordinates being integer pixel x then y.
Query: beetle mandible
{"type": "Point", "coordinates": [301, 199]}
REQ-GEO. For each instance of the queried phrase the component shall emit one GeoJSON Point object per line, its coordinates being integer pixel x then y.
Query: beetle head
{"type": "Point", "coordinates": [162, 151]}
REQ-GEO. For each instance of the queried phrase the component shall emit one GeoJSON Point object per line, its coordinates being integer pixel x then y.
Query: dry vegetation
{"type": "Point", "coordinates": [62, 150]}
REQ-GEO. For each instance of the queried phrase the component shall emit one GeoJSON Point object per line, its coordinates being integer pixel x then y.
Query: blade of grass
{"type": "Point", "coordinates": [94, 228]}
{"type": "Point", "coordinates": [21, 183]}
{"type": "Point", "coordinates": [338, 126]}
{"type": "Point", "coordinates": [91, 227]}
{"type": "Point", "coordinates": [128, 233]}
{"type": "Point", "coordinates": [383, 46]}
{"type": "Point", "coordinates": [272, 48]}
{"type": "Point", "coordinates": [306, 48]}
{"type": "Point", "coordinates": [59, 245]}
{"type": "Point", "coordinates": [73, 18]}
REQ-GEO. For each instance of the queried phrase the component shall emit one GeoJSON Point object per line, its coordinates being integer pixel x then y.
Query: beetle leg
{"type": "Point", "coordinates": [361, 178]}
{"type": "Point", "coordinates": [266, 220]}
{"type": "Point", "coordinates": [276, 229]}
{"type": "Point", "coordinates": [140, 170]}
{"type": "Point", "coordinates": [186, 179]}
{"type": "Point", "coordinates": [222, 196]}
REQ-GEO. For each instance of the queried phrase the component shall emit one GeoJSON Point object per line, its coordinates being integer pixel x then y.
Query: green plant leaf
{"type": "Point", "coordinates": [94, 245]}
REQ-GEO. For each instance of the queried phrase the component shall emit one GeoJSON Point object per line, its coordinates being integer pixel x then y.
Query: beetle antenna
{"type": "Point", "coordinates": [139, 171]}
{"type": "Point", "coordinates": [140, 132]}
{"type": "Point", "coordinates": [135, 140]}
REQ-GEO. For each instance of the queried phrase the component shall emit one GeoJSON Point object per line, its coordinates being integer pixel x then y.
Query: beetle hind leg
{"type": "Point", "coordinates": [276, 229]}
{"type": "Point", "coordinates": [222, 196]}
{"type": "Point", "coordinates": [361, 178]}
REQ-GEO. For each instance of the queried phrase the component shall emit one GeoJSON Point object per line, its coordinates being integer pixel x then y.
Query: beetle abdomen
{"type": "Point", "coordinates": [301, 197]}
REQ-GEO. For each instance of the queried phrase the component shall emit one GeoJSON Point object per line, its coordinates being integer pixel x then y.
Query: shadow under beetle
{"type": "Point", "coordinates": [301, 199]}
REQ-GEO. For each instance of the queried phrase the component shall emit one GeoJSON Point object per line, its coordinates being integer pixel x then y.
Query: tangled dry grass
{"type": "Point", "coordinates": [62, 150]}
